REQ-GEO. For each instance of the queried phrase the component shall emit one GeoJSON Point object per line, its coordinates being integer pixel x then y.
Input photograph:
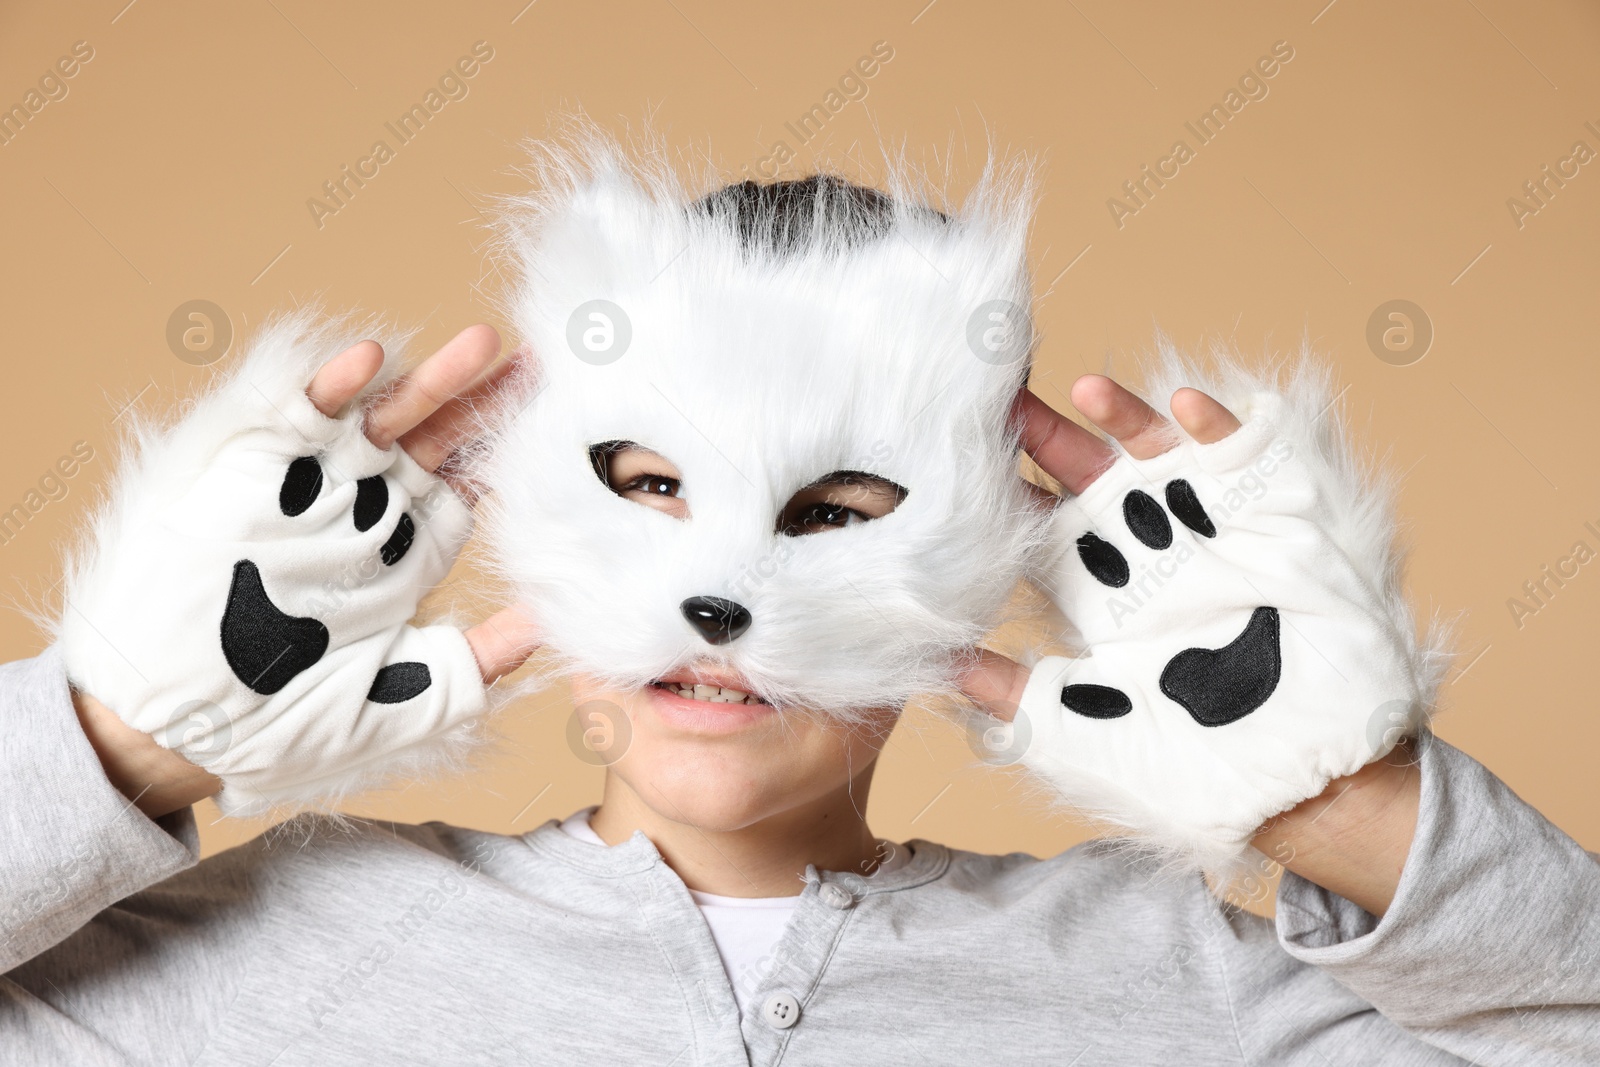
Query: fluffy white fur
{"type": "Point", "coordinates": [756, 375]}
{"type": "Point", "coordinates": [146, 589]}
{"type": "Point", "coordinates": [1319, 544]}
{"type": "Point", "coordinates": [1359, 485]}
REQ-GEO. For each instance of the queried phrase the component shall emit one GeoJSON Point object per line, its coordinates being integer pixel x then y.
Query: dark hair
{"type": "Point", "coordinates": [788, 217]}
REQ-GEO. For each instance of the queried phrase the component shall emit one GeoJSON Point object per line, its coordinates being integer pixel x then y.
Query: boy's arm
{"type": "Point", "coordinates": [1353, 838]}
{"type": "Point", "coordinates": [114, 946]}
{"type": "Point", "coordinates": [1489, 944]}
{"type": "Point", "coordinates": [73, 843]}
{"type": "Point", "coordinates": [1490, 916]}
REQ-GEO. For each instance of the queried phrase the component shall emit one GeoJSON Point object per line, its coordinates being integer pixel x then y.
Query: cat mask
{"type": "Point", "coordinates": [762, 338]}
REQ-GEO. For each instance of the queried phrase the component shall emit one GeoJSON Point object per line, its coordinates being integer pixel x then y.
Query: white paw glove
{"type": "Point", "coordinates": [1246, 641]}
{"type": "Point", "coordinates": [245, 594]}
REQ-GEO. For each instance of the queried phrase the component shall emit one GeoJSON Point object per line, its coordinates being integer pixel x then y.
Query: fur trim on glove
{"type": "Point", "coordinates": [1246, 637]}
{"type": "Point", "coordinates": [245, 594]}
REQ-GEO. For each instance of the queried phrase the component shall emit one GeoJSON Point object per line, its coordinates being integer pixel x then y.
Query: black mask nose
{"type": "Point", "coordinates": [719, 621]}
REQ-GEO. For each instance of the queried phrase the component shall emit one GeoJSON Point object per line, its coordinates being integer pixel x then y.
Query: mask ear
{"type": "Point", "coordinates": [981, 336]}
{"type": "Point", "coordinates": [982, 260]}
{"type": "Point", "coordinates": [598, 244]}
{"type": "Point", "coordinates": [585, 244]}
{"type": "Point", "coordinates": [594, 225]}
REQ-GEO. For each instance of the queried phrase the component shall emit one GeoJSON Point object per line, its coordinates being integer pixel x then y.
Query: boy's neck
{"type": "Point", "coordinates": [767, 858]}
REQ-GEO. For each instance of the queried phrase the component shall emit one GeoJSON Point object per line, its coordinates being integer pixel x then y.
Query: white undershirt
{"type": "Point", "coordinates": [745, 929]}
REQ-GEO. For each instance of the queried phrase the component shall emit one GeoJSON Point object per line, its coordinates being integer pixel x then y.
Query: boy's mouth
{"type": "Point", "coordinates": [693, 685]}
{"type": "Point", "coordinates": [705, 702]}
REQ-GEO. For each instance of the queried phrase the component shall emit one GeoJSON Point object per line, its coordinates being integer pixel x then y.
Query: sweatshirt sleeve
{"type": "Point", "coordinates": [73, 844]}
{"type": "Point", "coordinates": [118, 947]}
{"type": "Point", "coordinates": [1491, 949]}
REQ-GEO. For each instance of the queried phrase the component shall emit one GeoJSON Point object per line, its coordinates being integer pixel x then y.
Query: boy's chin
{"type": "Point", "coordinates": [712, 799]}
{"type": "Point", "coordinates": [731, 781]}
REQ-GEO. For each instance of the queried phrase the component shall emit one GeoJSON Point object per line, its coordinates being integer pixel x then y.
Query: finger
{"type": "Point", "coordinates": [441, 376]}
{"type": "Point", "coordinates": [994, 683]}
{"type": "Point", "coordinates": [440, 434]}
{"type": "Point", "coordinates": [1064, 450]}
{"type": "Point", "coordinates": [1201, 417]}
{"type": "Point", "coordinates": [503, 642]}
{"type": "Point", "coordinates": [1137, 426]}
{"type": "Point", "coordinates": [343, 377]}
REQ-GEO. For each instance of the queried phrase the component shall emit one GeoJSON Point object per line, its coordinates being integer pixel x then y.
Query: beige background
{"type": "Point", "coordinates": [179, 163]}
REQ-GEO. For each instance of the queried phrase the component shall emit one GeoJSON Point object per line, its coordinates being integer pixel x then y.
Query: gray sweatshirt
{"type": "Point", "coordinates": [332, 942]}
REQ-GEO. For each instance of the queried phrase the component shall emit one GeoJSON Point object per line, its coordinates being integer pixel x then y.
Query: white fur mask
{"type": "Point", "coordinates": [759, 348]}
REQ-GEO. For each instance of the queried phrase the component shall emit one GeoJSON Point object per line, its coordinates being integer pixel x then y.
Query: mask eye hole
{"type": "Point", "coordinates": [837, 500]}
{"type": "Point", "coordinates": [635, 473]}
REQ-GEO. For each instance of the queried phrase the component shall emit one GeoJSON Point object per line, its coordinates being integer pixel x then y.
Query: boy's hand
{"type": "Point", "coordinates": [1194, 717]}
{"type": "Point", "coordinates": [247, 596]}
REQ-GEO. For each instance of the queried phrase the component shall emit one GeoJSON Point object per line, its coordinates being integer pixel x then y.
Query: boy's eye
{"type": "Point", "coordinates": [635, 473]}
{"type": "Point", "coordinates": [837, 500]}
{"type": "Point", "coordinates": [654, 484]}
{"type": "Point", "coordinates": [821, 516]}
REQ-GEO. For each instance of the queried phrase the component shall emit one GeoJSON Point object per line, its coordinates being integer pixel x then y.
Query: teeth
{"type": "Point", "coordinates": [713, 694]}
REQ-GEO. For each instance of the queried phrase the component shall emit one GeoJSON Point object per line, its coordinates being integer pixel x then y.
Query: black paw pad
{"type": "Point", "coordinates": [302, 483]}
{"type": "Point", "coordinates": [1096, 701]}
{"type": "Point", "coordinates": [266, 647]}
{"type": "Point", "coordinates": [1218, 686]}
{"type": "Point", "coordinates": [399, 682]}
{"type": "Point", "coordinates": [1146, 520]}
{"type": "Point", "coordinates": [399, 543]}
{"type": "Point", "coordinates": [1104, 561]}
{"type": "Point", "coordinates": [1185, 504]}
{"type": "Point", "coordinates": [372, 500]}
